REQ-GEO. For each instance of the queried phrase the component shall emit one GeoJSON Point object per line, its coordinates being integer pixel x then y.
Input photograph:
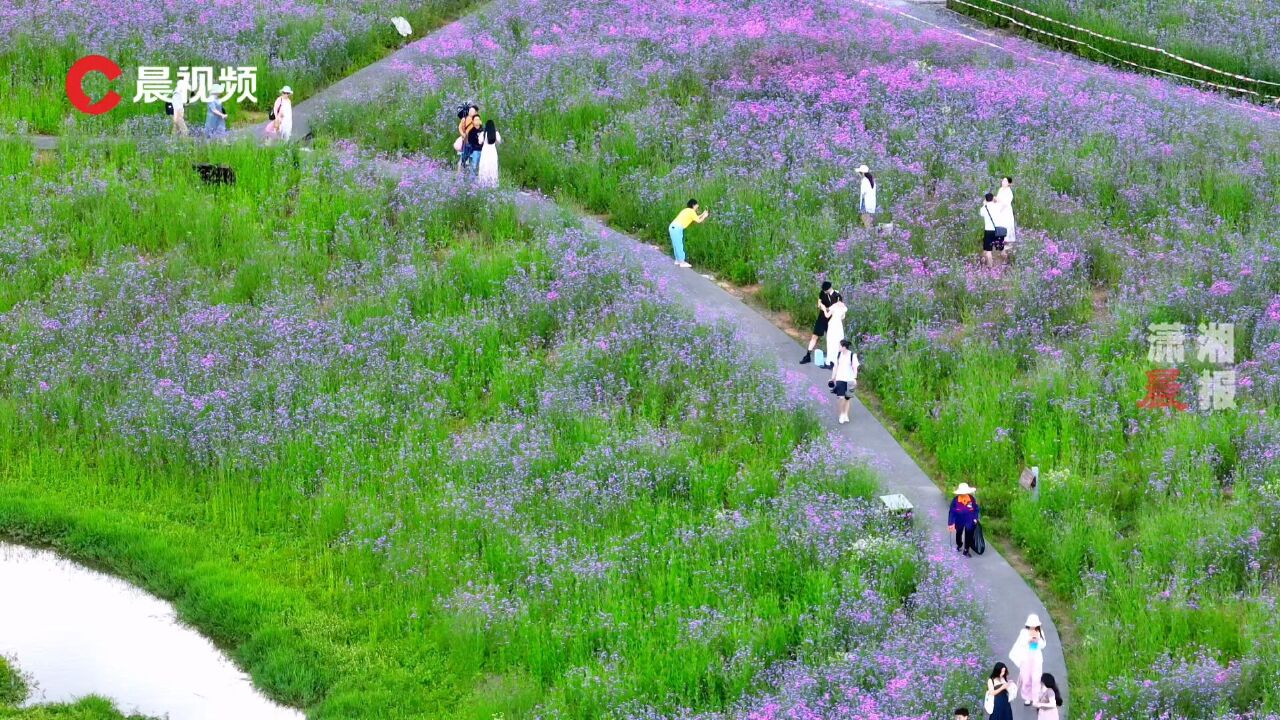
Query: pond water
{"type": "Point", "coordinates": [74, 632]}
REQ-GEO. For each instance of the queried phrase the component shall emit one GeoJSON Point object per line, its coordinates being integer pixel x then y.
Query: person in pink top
{"type": "Point", "coordinates": [1050, 699]}
{"type": "Point", "coordinates": [1028, 654]}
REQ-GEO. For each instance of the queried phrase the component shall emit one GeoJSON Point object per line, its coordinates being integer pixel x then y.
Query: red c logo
{"type": "Point", "coordinates": [75, 84]}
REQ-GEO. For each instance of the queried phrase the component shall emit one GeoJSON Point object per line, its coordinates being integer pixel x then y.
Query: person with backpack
{"type": "Point", "coordinates": [962, 517]}
{"type": "Point", "coordinates": [686, 217]}
{"type": "Point", "coordinates": [819, 325]}
{"type": "Point", "coordinates": [993, 234]}
{"type": "Point", "coordinates": [844, 378]}
{"type": "Point", "coordinates": [867, 197]}
{"type": "Point", "coordinates": [281, 117]}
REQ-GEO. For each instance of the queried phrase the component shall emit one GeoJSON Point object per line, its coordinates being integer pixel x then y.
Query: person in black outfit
{"type": "Point", "coordinates": [475, 143]}
{"type": "Point", "coordinates": [819, 325]}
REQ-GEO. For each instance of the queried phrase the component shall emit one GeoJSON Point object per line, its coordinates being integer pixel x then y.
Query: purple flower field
{"type": "Point", "coordinates": [464, 451]}
{"type": "Point", "coordinates": [1137, 202]}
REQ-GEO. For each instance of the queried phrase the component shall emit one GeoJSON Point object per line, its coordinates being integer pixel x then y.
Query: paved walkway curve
{"type": "Point", "coordinates": [1006, 596]}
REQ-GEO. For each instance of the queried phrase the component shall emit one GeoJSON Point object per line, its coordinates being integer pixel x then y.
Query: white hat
{"type": "Point", "coordinates": [965, 489]}
{"type": "Point", "coordinates": [863, 169]}
{"type": "Point", "coordinates": [1033, 620]}
{"type": "Point", "coordinates": [286, 90]}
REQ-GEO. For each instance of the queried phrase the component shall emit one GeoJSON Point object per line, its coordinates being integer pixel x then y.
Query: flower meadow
{"type": "Point", "coordinates": [405, 452]}
{"type": "Point", "coordinates": [1138, 201]}
{"type": "Point", "coordinates": [302, 43]}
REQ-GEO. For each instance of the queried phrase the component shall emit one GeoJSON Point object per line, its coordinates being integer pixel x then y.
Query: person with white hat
{"type": "Point", "coordinates": [215, 121]}
{"type": "Point", "coordinates": [962, 517]}
{"type": "Point", "coordinates": [282, 115]}
{"type": "Point", "coordinates": [1028, 654]}
{"type": "Point", "coordinates": [867, 197]}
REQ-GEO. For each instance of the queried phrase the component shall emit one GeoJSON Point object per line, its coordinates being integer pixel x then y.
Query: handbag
{"type": "Point", "coordinates": [989, 703]}
{"type": "Point", "coordinates": [979, 540]}
{"type": "Point", "coordinates": [1001, 232]}
{"type": "Point", "coordinates": [819, 358]}
{"type": "Point", "coordinates": [457, 144]}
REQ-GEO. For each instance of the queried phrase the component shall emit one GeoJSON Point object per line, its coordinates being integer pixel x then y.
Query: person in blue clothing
{"type": "Point", "coordinates": [962, 517]}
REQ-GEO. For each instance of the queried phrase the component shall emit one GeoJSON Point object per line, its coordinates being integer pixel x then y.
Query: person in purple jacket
{"type": "Point", "coordinates": [962, 517]}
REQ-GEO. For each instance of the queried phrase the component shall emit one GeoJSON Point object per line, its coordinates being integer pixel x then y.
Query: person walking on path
{"type": "Point", "coordinates": [835, 313]}
{"type": "Point", "coordinates": [1000, 693]}
{"type": "Point", "coordinates": [1004, 198]}
{"type": "Point", "coordinates": [181, 96]}
{"type": "Point", "coordinates": [867, 197]}
{"type": "Point", "coordinates": [1027, 654]}
{"type": "Point", "coordinates": [215, 121]}
{"type": "Point", "coordinates": [991, 239]}
{"type": "Point", "coordinates": [688, 216]}
{"type": "Point", "coordinates": [1050, 699]}
{"type": "Point", "coordinates": [844, 378]}
{"type": "Point", "coordinates": [487, 175]}
{"type": "Point", "coordinates": [819, 325]}
{"type": "Point", "coordinates": [281, 125]}
{"type": "Point", "coordinates": [962, 518]}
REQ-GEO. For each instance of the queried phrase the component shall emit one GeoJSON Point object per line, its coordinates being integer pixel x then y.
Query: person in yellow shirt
{"type": "Point", "coordinates": [688, 216]}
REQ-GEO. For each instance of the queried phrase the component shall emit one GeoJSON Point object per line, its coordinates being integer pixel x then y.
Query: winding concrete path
{"type": "Point", "coordinates": [1005, 595]}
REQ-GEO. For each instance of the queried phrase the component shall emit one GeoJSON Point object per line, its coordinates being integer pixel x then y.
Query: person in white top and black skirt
{"type": "Point", "coordinates": [844, 378]}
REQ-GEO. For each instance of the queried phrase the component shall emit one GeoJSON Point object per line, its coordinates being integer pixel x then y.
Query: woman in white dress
{"type": "Point", "coordinates": [1004, 198]}
{"type": "Point", "coordinates": [282, 125]}
{"type": "Point", "coordinates": [835, 325]}
{"type": "Point", "coordinates": [487, 176]}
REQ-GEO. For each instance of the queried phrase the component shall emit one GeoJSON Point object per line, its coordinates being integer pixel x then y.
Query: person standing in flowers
{"type": "Point", "coordinates": [686, 217]}
{"type": "Point", "coordinates": [835, 313]}
{"type": "Point", "coordinates": [487, 175]}
{"type": "Point", "coordinates": [819, 325]}
{"type": "Point", "coordinates": [1027, 654]}
{"type": "Point", "coordinates": [844, 378]}
{"type": "Point", "coordinates": [1004, 198]}
{"type": "Point", "coordinates": [466, 120]}
{"type": "Point", "coordinates": [867, 197]}
{"type": "Point", "coordinates": [215, 121]}
{"type": "Point", "coordinates": [1000, 693]}
{"type": "Point", "coordinates": [1050, 699]}
{"type": "Point", "coordinates": [990, 240]}
{"type": "Point", "coordinates": [475, 144]}
{"type": "Point", "coordinates": [962, 517]}
{"type": "Point", "coordinates": [281, 125]}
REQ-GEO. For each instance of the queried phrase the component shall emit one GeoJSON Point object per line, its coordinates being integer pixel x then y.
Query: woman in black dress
{"type": "Point", "coordinates": [819, 325]}
{"type": "Point", "coordinates": [999, 688]}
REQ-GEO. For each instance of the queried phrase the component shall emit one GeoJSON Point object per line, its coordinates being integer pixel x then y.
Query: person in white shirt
{"type": "Point", "coordinates": [282, 125]}
{"type": "Point", "coordinates": [844, 378]}
{"type": "Point", "coordinates": [835, 313]}
{"type": "Point", "coordinates": [989, 212]}
{"type": "Point", "coordinates": [867, 197]}
{"type": "Point", "coordinates": [179, 103]}
{"type": "Point", "coordinates": [1004, 198]}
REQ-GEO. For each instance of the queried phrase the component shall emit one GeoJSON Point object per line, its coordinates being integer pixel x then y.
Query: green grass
{"type": "Point", "coordinates": [335, 566]}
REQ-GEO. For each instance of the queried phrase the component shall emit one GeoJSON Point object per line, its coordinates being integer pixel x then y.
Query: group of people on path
{"type": "Point", "coordinates": [279, 120]}
{"type": "Point", "coordinates": [477, 146]}
{"type": "Point", "coordinates": [1039, 689]}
